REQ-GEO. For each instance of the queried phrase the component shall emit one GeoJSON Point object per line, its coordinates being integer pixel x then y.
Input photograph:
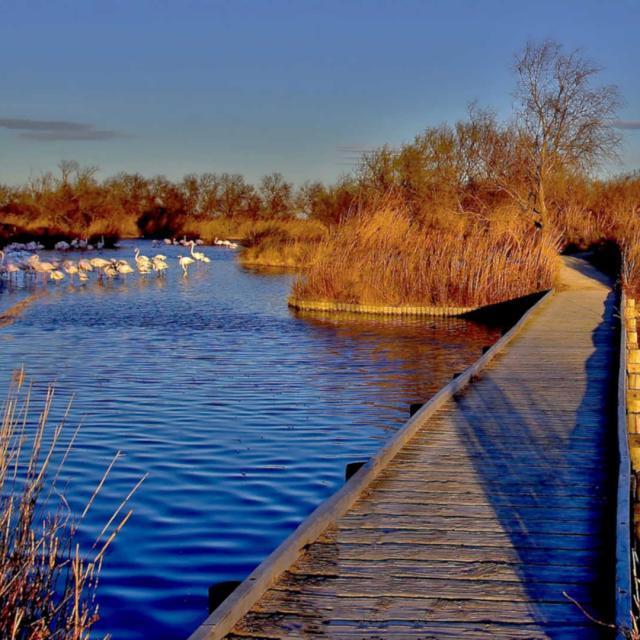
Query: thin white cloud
{"type": "Point", "coordinates": [630, 125]}
{"type": "Point", "coordinates": [52, 130]}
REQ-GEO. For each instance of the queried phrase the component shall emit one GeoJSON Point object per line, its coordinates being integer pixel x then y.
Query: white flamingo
{"type": "Point", "coordinates": [198, 255]}
{"type": "Point", "coordinates": [56, 275]}
{"type": "Point", "coordinates": [9, 268]}
{"type": "Point", "coordinates": [43, 268]}
{"type": "Point", "coordinates": [85, 265]}
{"type": "Point", "coordinates": [140, 259]}
{"type": "Point", "coordinates": [159, 265]}
{"type": "Point", "coordinates": [124, 267]}
{"type": "Point", "coordinates": [111, 270]}
{"type": "Point", "coordinates": [70, 267]}
{"type": "Point", "coordinates": [184, 262]}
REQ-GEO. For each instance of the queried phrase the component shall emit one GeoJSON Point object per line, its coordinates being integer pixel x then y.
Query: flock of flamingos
{"type": "Point", "coordinates": [21, 259]}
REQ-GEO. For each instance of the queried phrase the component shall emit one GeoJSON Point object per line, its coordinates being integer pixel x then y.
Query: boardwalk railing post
{"type": "Point", "coordinates": [352, 468]}
{"type": "Point", "coordinates": [415, 407]}
{"type": "Point", "coordinates": [219, 592]}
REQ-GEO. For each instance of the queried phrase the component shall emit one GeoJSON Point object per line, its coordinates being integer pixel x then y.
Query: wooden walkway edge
{"type": "Point", "coordinates": [623, 513]}
{"type": "Point", "coordinates": [520, 622]}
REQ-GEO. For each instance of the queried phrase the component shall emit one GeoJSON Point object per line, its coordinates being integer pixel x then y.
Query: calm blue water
{"type": "Point", "coordinates": [243, 414]}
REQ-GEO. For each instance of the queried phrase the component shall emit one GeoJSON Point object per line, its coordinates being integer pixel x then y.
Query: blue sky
{"type": "Point", "coordinates": [169, 87]}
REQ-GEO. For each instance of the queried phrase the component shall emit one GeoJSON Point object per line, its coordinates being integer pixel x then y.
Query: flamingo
{"type": "Point", "coordinates": [198, 255]}
{"type": "Point", "coordinates": [43, 267]}
{"type": "Point", "coordinates": [159, 265]}
{"type": "Point", "coordinates": [184, 262]}
{"type": "Point", "coordinates": [9, 268]}
{"type": "Point", "coordinates": [56, 275]}
{"type": "Point", "coordinates": [99, 263]}
{"type": "Point", "coordinates": [70, 267]}
{"type": "Point", "coordinates": [124, 267]}
{"type": "Point", "coordinates": [111, 269]}
{"type": "Point", "coordinates": [85, 265]}
{"type": "Point", "coordinates": [12, 268]}
{"type": "Point", "coordinates": [139, 258]}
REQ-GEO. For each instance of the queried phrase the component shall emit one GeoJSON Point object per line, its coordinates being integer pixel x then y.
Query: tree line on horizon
{"type": "Point", "coordinates": [539, 164]}
{"type": "Point", "coordinates": [74, 201]}
{"type": "Point", "coordinates": [535, 172]}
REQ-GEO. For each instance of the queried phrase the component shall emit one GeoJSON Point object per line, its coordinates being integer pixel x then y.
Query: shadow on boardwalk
{"type": "Point", "coordinates": [526, 441]}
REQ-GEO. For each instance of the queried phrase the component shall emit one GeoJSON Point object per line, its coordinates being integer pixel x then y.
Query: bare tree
{"type": "Point", "coordinates": [67, 167]}
{"type": "Point", "coordinates": [566, 119]}
{"type": "Point", "coordinates": [276, 194]}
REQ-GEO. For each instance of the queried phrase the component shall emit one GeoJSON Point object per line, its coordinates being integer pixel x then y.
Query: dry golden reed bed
{"type": "Point", "coordinates": [388, 257]}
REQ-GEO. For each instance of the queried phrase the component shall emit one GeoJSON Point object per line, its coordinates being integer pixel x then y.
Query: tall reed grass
{"type": "Point", "coordinates": [388, 258]}
{"type": "Point", "coordinates": [284, 243]}
{"type": "Point", "coordinates": [630, 247]}
{"type": "Point", "coordinates": [47, 581]}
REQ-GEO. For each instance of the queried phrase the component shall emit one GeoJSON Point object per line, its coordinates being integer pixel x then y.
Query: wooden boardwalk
{"type": "Point", "coordinates": [502, 502]}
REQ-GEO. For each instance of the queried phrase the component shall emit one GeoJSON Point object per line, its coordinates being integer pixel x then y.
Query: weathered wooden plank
{"type": "Point", "coordinates": [494, 497]}
{"type": "Point", "coordinates": [455, 488]}
{"type": "Point", "coordinates": [420, 537]}
{"type": "Point", "coordinates": [526, 512]}
{"type": "Point", "coordinates": [316, 564]}
{"type": "Point", "coordinates": [384, 607]}
{"type": "Point", "coordinates": [257, 625]}
{"type": "Point", "coordinates": [574, 526]}
{"type": "Point", "coordinates": [475, 553]}
{"type": "Point", "coordinates": [496, 479]}
{"type": "Point", "coordinates": [425, 587]}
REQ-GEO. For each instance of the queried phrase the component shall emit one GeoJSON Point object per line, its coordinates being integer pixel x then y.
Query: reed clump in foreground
{"type": "Point", "coordinates": [47, 582]}
{"type": "Point", "coordinates": [388, 258]}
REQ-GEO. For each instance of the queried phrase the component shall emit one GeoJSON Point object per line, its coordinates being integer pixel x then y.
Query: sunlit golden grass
{"type": "Point", "coordinates": [47, 581]}
{"type": "Point", "coordinates": [48, 232]}
{"type": "Point", "coordinates": [630, 246]}
{"type": "Point", "coordinates": [387, 258]}
{"type": "Point", "coordinates": [282, 243]}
